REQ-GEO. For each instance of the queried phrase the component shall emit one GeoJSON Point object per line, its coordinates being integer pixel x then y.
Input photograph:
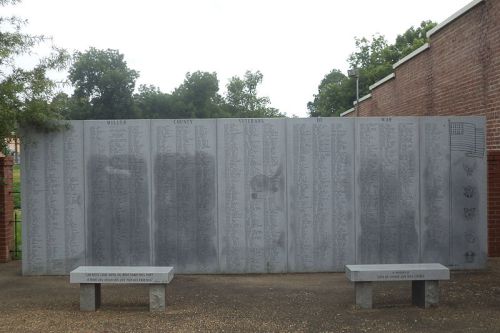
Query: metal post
{"type": "Point", "coordinates": [354, 73]}
{"type": "Point", "coordinates": [15, 235]}
{"type": "Point", "coordinates": [16, 150]}
{"type": "Point", "coordinates": [357, 94]}
{"type": "Point", "coordinates": [16, 240]}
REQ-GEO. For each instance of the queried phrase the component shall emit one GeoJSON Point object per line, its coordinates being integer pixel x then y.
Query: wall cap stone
{"type": "Point", "coordinates": [411, 55]}
{"type": "Point", "coordinates": [364, 98]}
{"type": "Point", "coordinates": [347, 112]}
{"type": "Point", "coordinates": [384, 80]}
{"type": "Point", "coordinates": [453, 17]}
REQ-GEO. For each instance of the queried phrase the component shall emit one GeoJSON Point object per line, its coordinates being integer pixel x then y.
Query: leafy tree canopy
{"type": "Point", "coordinates": [104, 89]}
{"type": "Point", "coordinates": [151, 103]}
{"type": "Point", "coordinates": [25, 94]}
{"type": "Point", "coordinates": [242, 99]}
{"type": "Point", "coordinates": [374, 59]}
{"type": "Point", "coordinates": [198, 97]}
{"type": "Point", "coordinates": [104, 85]}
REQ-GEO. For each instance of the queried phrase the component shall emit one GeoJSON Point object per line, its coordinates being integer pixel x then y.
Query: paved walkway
{"type": "Point", "coordinates": [470, 302]}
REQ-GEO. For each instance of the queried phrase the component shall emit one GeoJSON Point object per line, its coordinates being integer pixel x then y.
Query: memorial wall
{"type": "Point", "coordinates": [255, 195]}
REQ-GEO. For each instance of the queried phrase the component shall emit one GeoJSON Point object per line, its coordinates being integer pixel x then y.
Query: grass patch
{"type": "Point", "coordinates": [16, 186]}
{"type": "Point", "coordinates": [18, 232]}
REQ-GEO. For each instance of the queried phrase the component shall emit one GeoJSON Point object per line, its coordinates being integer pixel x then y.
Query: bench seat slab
{"type": "Point", "coordinates": [122, 274]}
{"type": "Point", "coordinates": [397, 272]}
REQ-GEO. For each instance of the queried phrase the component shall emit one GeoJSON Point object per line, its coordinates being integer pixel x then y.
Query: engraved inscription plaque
{"type": "Point", "coordinates": [468, 192]}
{"type": "Point", "coordinates": [184, 194]}
{"type": "Point", "coordinates": [435, 189]}
{"type": "Point", "coordinates": [387, 185]}
{"type": "Point", "coordinates": [73, 196]}
{"type": "Point", "coordinates": [53, 207]}
{"type": "Point", "coordinates": [33, 203]}
{"type": "Point", "coordinates": [251, 187]}
{"type": "Point", "coordinates": [117, 192]}
{"type": "Point", "coordinates": [320, 167]}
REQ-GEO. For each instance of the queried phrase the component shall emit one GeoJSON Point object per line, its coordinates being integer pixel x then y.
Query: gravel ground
{"type": "Point", "coordinates": [470, 302]}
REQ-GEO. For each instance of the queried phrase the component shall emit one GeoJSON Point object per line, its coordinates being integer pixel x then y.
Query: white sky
{"type": "Point", "coordinates": [294, 43]}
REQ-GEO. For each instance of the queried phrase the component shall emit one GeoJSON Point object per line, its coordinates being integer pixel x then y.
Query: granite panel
{"type": "Point", "coordinates": [468, 192]}
{"type": "Point", "coordinates": [53, 200]}
{"type": "Point", "coordinates": [387, 190]}
{"type": "Point", "coordinates": [117, 192]}
{"type": "Point", "coordinates": [185, 194]}
{"type": "Point", "coordinates": [320, 167]}
{"type": "Point", "coordinates": [251, 195]}
{"type": "Point", "coordinates": [435, 189]}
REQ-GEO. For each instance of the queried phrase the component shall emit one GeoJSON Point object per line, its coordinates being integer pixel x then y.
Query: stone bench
{"type": "Point", "coordinates": [91, 277]}
{"type": "Point", "coordinates": [425, 281]}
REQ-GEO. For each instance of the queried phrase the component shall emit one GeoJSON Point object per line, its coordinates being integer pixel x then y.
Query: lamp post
{"type": "Point", "coordinates": [355, 73]}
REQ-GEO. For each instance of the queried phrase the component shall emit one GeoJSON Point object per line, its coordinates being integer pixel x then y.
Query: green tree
{"type": "Point", "coordinates": [411, 40]}
{"type": "Point", "coordinates": [151, 103]}
{"type": "Point", "coordinates": [243, 101]}
{"type": "Point", "coordinates": [335, 95]}
{"type": "Point", "coordinates": [25, 94]}
{"type": "Point", "coordinates": [374, 59]}
{"type": "Point", "coordinates": [104, 85]}
{"type": "Point", "coordinates": [198, 97]}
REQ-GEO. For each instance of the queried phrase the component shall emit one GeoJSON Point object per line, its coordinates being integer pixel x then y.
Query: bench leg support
{"type": "Point", "coordinates": [157, 297]}
{"type": "Point", "coordinates": [90, 296]}
{"type": "Point", "coordinates": [425, 293]}
{"type": "Point", "coordinates": [364, 294]}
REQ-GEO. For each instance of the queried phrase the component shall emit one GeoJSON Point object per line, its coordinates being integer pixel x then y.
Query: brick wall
{"type": "Point", "coordinates": [494, 203]}
{"type": "Point", "coordinates": [459, 74]}
{"type": "Point", "coordinates": [6, 209]}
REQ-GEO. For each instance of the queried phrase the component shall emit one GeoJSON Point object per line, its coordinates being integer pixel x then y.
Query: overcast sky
{"type": "Point", "coordinates": [294, 43]}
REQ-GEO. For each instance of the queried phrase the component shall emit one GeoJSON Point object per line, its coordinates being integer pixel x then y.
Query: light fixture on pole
{"type": "Point", "coordinates": [354, 73]}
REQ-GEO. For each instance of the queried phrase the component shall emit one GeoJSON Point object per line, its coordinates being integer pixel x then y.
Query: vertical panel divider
{"type": "Point", "coordinates": [450, 207]}
{"type": "Point", "coordinates": [65, 259]}
{"type": "Point", "coordinates": [355, 197]}
{"type": "Point", "coordinates": [287, 216]}
{"type": "Point", "coordinates": [84, 195]}
{"type": "Point", "coordinates": [420, 154]}
{"type": "Point", "coordinates": [217, 212]}
{"type": "Point", "coordinates": [151, 199]}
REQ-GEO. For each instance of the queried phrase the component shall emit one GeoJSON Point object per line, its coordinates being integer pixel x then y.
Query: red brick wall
{"type": "Point", "coordinates": [413, 86]}
{"type": "Point", "coordinates": [459, 74]}
{"type": "Point", "coordinates": [383, 100]}
{"type": "Point", "coordinates": [494, 203]}
{"type": "Point", "coordinates": [6, 209]}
